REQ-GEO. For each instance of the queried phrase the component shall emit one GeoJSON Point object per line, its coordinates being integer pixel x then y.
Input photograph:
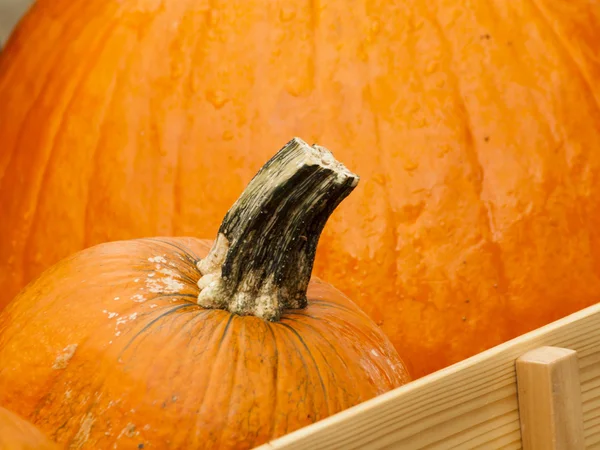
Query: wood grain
{"type": "Point", "coordinates": [472, 404]}
{"type": "Point", "coordinates": [550, 399]}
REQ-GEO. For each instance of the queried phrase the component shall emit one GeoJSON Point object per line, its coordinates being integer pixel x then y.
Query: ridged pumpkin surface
{"type": "Point", "coordinates": [109, 348]}
{"type": "Point", "coordinates": [475, 128]}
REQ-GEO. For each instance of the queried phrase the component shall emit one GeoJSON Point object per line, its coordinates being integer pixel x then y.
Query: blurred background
{"type": "Point", "coordinates": [10, 13]}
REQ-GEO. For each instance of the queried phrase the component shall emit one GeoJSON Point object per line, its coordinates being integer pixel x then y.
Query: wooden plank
{"type": "Point", "coordinates": [472, 404]}
{"type": "Point", "coordinates": [550, 406]}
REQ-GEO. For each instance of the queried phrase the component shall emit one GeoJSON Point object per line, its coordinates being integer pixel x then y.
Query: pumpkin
{"type": "Point", "coordinates": [180, 343]}
{"type": "Point", "coordinates": [475, 126]}
{"type": "Point", "coordinates": [18, 434]}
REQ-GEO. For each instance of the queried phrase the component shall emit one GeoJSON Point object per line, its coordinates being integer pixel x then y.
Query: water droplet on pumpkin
{"type": "Point", "coordinates": [216, 98]}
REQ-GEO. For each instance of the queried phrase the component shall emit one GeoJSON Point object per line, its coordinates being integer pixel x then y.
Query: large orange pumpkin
{"type": "Point", "coordinates": [114, 346]}
{"type": "Point", "coordinates": [18, 434]}
{"type": "Point", "coordinates": [474, 125]}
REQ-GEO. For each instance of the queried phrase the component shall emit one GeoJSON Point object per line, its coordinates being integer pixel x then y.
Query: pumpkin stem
{"type": "Point", "coordinates": [262, 259]}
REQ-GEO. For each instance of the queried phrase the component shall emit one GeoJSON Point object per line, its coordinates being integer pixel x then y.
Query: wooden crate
{"type": "Point", "coordinates": [474, 403]}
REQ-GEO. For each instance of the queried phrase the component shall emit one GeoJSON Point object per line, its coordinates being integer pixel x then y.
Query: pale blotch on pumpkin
{"type": "Point", "coordinates": [83, 434]}
{"type": "Point", "coordinates": [120, 321]}
{"type": "Point", "coordinates": [169, 284]}
{"type": "Point", "coordinates": [110, 314]}
{"type": "Point", "coordinates": [157, 259]}
{"type": "Point", "coordinates": [129, 431]}
{"type": "Point", "coordinates": [138, 298]}
{"type": "Point", "coordinates": [63, 358]}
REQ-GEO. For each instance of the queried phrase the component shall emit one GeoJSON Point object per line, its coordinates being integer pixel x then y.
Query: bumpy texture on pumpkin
{"type": "Point", "coordinates": [473, 125]}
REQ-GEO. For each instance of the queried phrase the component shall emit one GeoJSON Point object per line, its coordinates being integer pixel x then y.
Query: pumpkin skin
{"type": "Point", "coordinates": [18, 434]}
{"type": "Point", "coordinates": [474, 126]}
{"type": "Point", "coordinates": [109, 346]}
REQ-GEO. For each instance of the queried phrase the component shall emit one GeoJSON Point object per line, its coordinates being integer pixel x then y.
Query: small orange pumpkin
{"type": "Point", "coordinates": [169, 342]}
{"type": "Point", "coordinates": [18, 434]}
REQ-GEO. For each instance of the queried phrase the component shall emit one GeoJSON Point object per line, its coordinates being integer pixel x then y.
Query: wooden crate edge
{"type": "Point", "coordinates": [470, 403]}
